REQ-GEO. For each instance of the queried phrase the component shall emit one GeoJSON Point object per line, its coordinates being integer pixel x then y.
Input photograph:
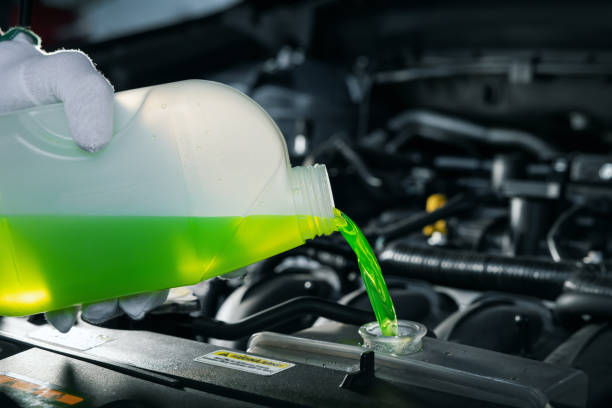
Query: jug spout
{"type": "Point", "coordinates": [313, 201]}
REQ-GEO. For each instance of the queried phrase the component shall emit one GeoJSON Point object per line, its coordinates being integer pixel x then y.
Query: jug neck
{"type": "Point", "coordinates": [312, 197]}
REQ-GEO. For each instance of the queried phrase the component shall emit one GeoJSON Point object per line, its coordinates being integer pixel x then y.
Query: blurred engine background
{"type": "Point", "coordinates": [471, 141]}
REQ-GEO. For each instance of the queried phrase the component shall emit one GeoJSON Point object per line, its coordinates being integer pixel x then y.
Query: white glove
{"type": "Point", "coordinates": [135, 306]}
{"type": "Point", "coordinates": [29, 76]}
{"type": "Point", "coordinates": [32, 77]}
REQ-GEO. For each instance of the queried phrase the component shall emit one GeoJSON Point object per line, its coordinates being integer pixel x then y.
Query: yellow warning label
{"type": "Point", "coordinates": [251, 359]}
{"type": "Point", "coordinates": [244, 362]}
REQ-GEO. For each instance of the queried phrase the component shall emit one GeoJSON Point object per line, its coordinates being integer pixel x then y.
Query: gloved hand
{"type": "Point", "coordinates": [32, 77]}
{"type": "Point", "coordinates": [29, 77]}
{"type": "Point", "coordinates": [135, 306]}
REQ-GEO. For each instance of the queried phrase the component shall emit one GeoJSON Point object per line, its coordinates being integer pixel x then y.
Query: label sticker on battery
{"type": "Point", "coordinates": [244, 362]}
{"type": "Point", "coordinates": [28, 392]}
{"type": "Point", "coordinates": [77, 338]}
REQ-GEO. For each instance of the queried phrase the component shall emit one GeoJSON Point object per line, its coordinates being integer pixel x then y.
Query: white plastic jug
{"type": "Point", "coordinates": [195, 183]}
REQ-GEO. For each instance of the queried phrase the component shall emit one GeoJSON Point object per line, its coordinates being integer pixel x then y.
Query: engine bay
{"type": "Point", "coordinates": [471, 145]}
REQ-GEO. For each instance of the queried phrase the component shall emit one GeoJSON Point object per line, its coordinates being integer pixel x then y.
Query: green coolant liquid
{"type": "Point", "coordinates": [370, 272]}
{"type": "Point", "coordinates": [50, 262]}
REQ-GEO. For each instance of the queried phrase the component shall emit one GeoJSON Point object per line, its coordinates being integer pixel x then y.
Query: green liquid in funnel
{"type": "Point", "coordinates": [370, 272]}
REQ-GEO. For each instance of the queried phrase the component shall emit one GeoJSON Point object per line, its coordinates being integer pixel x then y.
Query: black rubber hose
{"type": "Point", "coordinates": [469, 270]}
{"type": "Point", "coordinates": [281, 313]}
{"type": "Point", "coordinates": [444, 126]}
{"type": "Point", "coordinates": [599, 282]}
{"type": "Point", "coordinates": [455, 205]}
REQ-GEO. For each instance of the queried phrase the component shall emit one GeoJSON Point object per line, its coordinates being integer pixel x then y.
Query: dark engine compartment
{"type": "Point", "coordinates": [501, 112]}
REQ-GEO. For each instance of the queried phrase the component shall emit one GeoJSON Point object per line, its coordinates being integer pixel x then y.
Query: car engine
{"type": "Point", "coordinates": [471, 142]}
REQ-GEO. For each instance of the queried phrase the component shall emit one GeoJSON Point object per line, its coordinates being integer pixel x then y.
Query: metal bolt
{"type": "Point", "coordinates": [560, 165]}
